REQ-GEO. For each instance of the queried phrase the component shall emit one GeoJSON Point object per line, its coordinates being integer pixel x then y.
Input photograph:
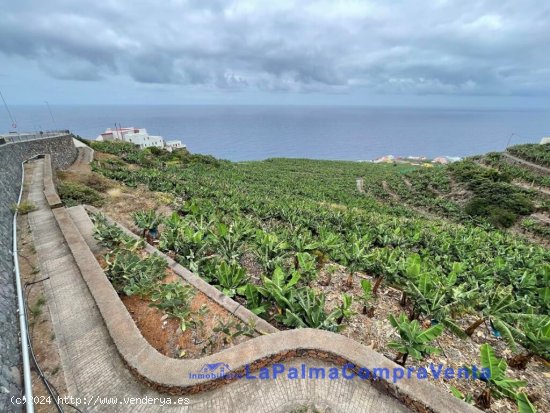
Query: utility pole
{"type": "Point", "coordinates": [13, 121]}
{"type": "Point", "coordinates": [509, 140]}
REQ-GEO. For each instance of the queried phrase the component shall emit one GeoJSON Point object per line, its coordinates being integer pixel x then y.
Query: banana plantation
{"type": "Point", "coordinates": [270, 233]}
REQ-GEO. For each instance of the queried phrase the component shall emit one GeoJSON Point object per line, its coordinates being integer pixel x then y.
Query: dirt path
{"type": "Point", "coordinates": [525, 185]}
{"type": "Point", "coordinates": [389, 191]}
{"type": "Point", "coordinates": [520, 184]}
{"type": "Point", "coordinates": [527, 163]}
{"type": "Point", "coordinates": [360, 182]}
{"type": "Point", "coordinates": [541, 217]}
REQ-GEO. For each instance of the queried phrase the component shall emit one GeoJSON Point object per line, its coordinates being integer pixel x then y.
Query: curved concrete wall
{"type": "Point", "coordinates": [63, 154]}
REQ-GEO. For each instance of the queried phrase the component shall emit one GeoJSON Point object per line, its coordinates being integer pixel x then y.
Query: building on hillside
{"type": "Point", "coordinates": [171, 145]}
{"type": "Point", "coordinates": [545, 140]}
{"type": "Point", "coordinates": [140, 137]}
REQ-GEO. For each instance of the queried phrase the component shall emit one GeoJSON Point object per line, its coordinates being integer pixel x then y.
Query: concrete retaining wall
{"type": "Point", "coordinates": [63, 154]}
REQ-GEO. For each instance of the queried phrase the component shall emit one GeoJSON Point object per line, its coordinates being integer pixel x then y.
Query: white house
{"type": "Point", "coordinates": [139, 136]}
{"type": "Point", "coordinates": [545, 140]}
{"type": "Point", "coordinates": [175, 144]}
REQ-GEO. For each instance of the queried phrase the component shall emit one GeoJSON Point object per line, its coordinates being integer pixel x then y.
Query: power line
{"type": "Point", "coordinates": [51, 114]}
{"type": "Point", "coordinates": [13, 121]}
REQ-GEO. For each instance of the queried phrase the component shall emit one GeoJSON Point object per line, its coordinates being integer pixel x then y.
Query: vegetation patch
{"type": "Point", "coordinates": [297, 243]}
{"type": "Point", "coordinates": [74, 193]}
{"type": "Point", "coordinates": [535, 153]}
{"type": "Point", "coordinates": [495, 198]}
{"type": "Point", "coordinates": [24, 207]}
{"type": "Point", "coordinates": [171, 315]}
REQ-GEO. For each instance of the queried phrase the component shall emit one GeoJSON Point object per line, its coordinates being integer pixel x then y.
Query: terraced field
{"type": "Point", "coordinates": [348, 247]}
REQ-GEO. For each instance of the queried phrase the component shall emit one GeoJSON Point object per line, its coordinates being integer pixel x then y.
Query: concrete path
{"type": "Point", "coordinates": [84, 158]}
{"type": "Point", "coordinates": [95, 373]}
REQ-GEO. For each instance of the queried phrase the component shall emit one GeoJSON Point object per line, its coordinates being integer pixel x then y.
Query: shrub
{"type": "Point", "coordinates": [495, 199]}
{"type": "Point", "coordinates": [73, 193]}
{"type": "Point", "coordinates": [24, 207]}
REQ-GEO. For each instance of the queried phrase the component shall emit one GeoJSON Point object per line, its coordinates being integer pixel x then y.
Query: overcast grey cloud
{"type": "Point", "coordinates": [287, 46]}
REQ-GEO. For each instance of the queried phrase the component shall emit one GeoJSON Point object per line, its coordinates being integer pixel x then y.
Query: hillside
{"type": "Point", "coordinates": [461, 250]}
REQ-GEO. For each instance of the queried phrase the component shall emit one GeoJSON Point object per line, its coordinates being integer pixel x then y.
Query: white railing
{"type": "Point", "coordinates": [30, 136]}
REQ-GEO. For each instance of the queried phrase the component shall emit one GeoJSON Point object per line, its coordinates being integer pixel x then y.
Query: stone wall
{"type": "Point", "coordinates": [63, 154]}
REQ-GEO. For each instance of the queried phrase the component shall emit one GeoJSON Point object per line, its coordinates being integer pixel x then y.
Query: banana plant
{"type": "Point", "coordinates": [429, 296]}
{"type": "Point", "coordinates": [385, 263]}
{"type": "Point", "coordinates": [366, 286]}
{"type": "Point", "coordinates": [279, 289]}
{"type": "Point", "coordinates": [354, 259]}
{"type": "Point", "coordinates": [414, 341]}
{"type": "Point", "coordinates": [270, 251]}
{"type": "Point", "coordinates": [147, 221]}
{"type": "Point", "coordinates": [174, 299]}
{"type": "Point", "coordinates": [253, 298]}
{"type": "Point", "coordinates": [329, 244]}
{"type": "Point", "coordinates": [534, 335]}
{"type": "Point", "coordinates": [494, 377]}
{"type": "Point", "coordinates": [497, 306]}
{"type": "Point", "coordinates": [303, 241]}
{"type": "Point", "coordinates": [306, 264]}
{"type": "Point", "coordinates": [226, 242]}
{"type": "Point", "coordinates": [307, 310]}
{"type": "Point", "coordinates": [345, 311]}
{"type": "Point", "coordinates": [230, 277]}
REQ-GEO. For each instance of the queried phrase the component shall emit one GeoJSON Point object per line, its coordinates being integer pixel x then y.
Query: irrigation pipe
{"type": "Point", "coordinates": [29, 405]}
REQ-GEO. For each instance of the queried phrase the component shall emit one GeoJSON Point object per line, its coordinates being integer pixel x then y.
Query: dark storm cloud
{"type": "Point", "coordinates": [444, 47]}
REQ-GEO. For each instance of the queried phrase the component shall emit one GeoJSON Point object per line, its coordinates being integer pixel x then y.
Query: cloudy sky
{"type": "Point", "coordinates": [276, 52]}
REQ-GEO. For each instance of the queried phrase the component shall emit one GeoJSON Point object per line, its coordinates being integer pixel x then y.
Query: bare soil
{"type": "Point", "coordinates": [164, 333]}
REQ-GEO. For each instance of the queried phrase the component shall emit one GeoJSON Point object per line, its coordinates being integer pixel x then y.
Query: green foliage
{"type": "Point", "coordinates": [174, 299]}
{"type": "Point", "coordinates": [536, 227]}
{"type": "Point", "coordinates": [73, 193]}
{"type": "Point", "coordinates": [279, 288]}
{"type": "Point", "coordinates": [130, 274]}
{"type": "Point", "coordinates": [366, 286]}
{"type": "Point", "coordinates": [120, 148]}
{"type": "Point", "coordinates": [270, 250]}
{"type": "Point", "coordinates": [306, 309]}
{"type": "Point", "coordinates": [524, 405]}
{"type": "Point", "coordinates": [152, 156]}
{"type": "Point", "coordinates": [414, 340]}
{"type": "Point", "coordinates": [458, 394]}
{"type": "Point", "coordinates": [494, 197]}
{"type": "Point", "coordinates": [534, 334]}
{"type": "Point", "coordinates": [539, 154]}
{"type": "Point", "coordinates": [24, 207]}
{"type": "Point", "coordinates": [230, 277]}
{"type": "Point", "coordinates": [253, 298]}
{"type": "Point", "coordinates": [287, 215]}
{"type": "Point", "coordinates": [497, 382]}
{"type": "Point", "coordinates": [147, 220]}
{"type": "Point", "coordinates": [233, 329]}
{"type": "Point", "coordinates": [111, 235]}
{"type": "Point", "coordinates": [345, 308]}
{"type": "Point", "coordinates": [307, 265]}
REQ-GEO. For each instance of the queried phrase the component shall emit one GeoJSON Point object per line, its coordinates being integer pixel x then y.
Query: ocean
{"type": "Point", "coordinates": [241, 133]}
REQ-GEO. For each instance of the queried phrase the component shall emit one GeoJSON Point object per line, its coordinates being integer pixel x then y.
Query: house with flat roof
{"type": "Point", "coordinates": [140, 137]}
